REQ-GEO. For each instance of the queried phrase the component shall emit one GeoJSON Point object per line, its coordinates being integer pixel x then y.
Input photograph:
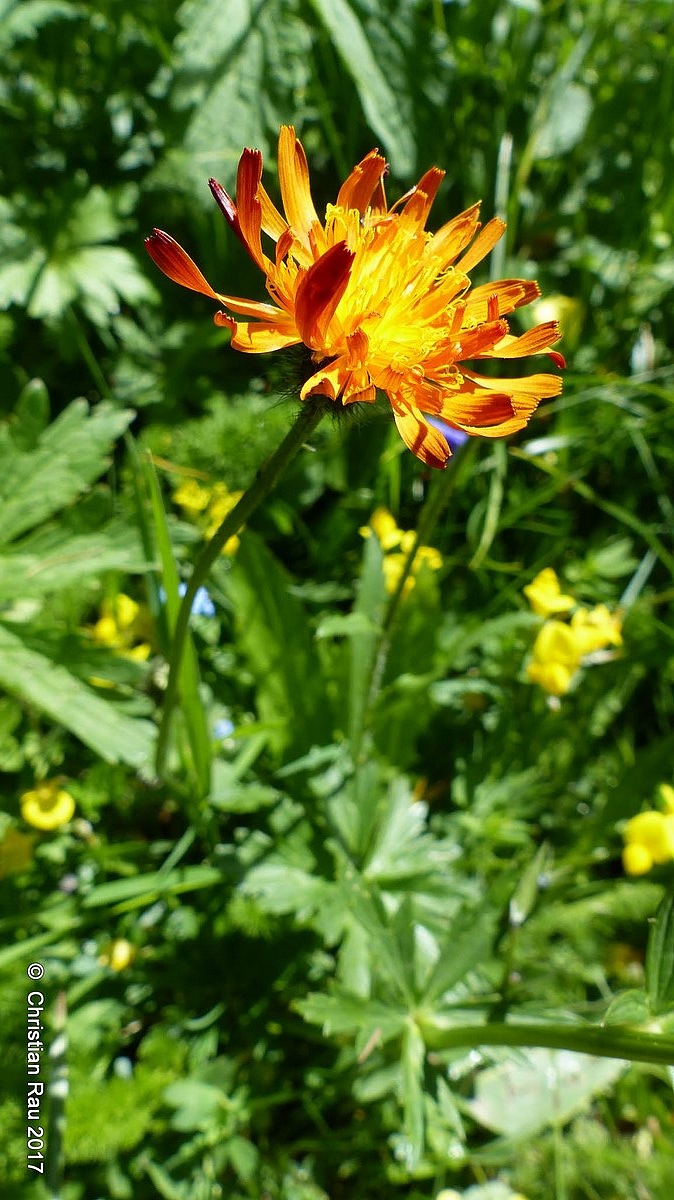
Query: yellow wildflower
{"type": "Point", "coordinates": [191, 496]}
{"type": "Point", "coordinates": [556, 658]}
{"type": "Point", "coordinates": [545, 594]}
{"type": "Point", "coordinates": [208, 506]}
{"type": "Point", "coordinates": [649, 841]}
{"type": "Point", "coordinates": [220, 504]}
{"type": "Point", "coordinates": [47, 806]}
{"type": "Point", "coordinates": [383, 524]}
{"type": "Point", "coordinates": [119, 955]}
{"type": "Point", "coordinates": [122, 626]}
{"type": "Point", "coordinates": [377, 300]}
{"type": "Point", "coordinates": [391, 538]}
{"type": "Point", "coordinates": [596, 628]}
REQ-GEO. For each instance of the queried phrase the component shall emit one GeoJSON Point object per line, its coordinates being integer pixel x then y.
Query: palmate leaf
{"type": "Point", "coordinates": [340, 1014]}
{"type": "Point", "coordinates": [52, 559]}
{"type": "Point", "coordinates": [248, 59]}
{"type": "Point", "coordinates": [32, 678]}
{"type": "Point", "coordinates": [69, 454]}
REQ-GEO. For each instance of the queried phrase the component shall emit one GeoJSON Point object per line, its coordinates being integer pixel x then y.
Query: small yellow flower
{"type": "Point", "coordinates": [123, 626]}
{"type": "Point", "coordinates": [191, 496]}
{"type": "Point", "coordinates": [382, 523]}
{"type": "Point", "coordinates": [48, 806]}
{"type": "Point", "coordinates": [220, 505]}
{"type": "Point", "coordinates": [596, 628]}
{"type": "Point", "coordinates": [16, 852]}
{"type": "Point", "coordinates": [119, 955]}
{"type": "Point", "coordinates": [649, 841]}
{"type": "Point", "coordinates": [401, 541]}
{"type": "Point", "coordinates": [556, 658]}
{"type": "Point", "coordinates": [545, 594]}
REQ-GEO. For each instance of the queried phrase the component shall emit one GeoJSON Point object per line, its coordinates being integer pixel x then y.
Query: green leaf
{"type": "Point", "coordinates": [37, 681]}
{"type": "Point", "coordinates": [145, 889]}
{"type": "Point", "coordinates": [70, 453]}
{"type": "Point", "coordinates": [52, 559]}
{"type": "Point", "coordinates": [379, 100]}
{"type": "Point", "coordinates": [467, 946]}
{"type": "Point", "coordinates": [274, 634]}
{"type": "Point", "coordinates": [660, 959]}
{"type": "Point", "coordinates": [365, 635]}
{"type": "Point", "coordinates": [248, 58]}
{"type": "Point", "coordinates": [192, 707]}
{"type": "Point", "coordinates": [629, 1008]}
{"type": "Point", "coordinates": [340, 1014]}
{"type": "Point", "coordinates": [412, 1066]}
{"type": "Point", "coordinates": [566, 122]}
{"type": "Point", "coordinates": [521, 1097]}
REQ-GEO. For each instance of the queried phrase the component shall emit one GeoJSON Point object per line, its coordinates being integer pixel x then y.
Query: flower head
{"type": "Point", "coordinates": [596, 628]}
{"type": "Point", "coordinates": [119, 955]}
{"type": "Point", "coordinates": [396, 544]}
{"type": "Point", "coordinates": [649, 841]}
{"type": "Point", "coordinates": [123, 626]}
{"type": "Point", "coordinates": [556, 658]}
{"type": "Point", "coordinates": [545, 594]}
{"type": "Point", "coordinates": [377, 300]}
{"type": "Point", "coordinates": [47, 806]}
{"type": "Point", "coordinates": [208, 506]}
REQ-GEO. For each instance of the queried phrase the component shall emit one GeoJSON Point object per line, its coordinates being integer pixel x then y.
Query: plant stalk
{"type": "Point", "coordinates": [267, 477]}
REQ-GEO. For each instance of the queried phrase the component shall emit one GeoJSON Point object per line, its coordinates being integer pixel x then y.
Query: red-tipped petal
{"type": "Point", "coordinates": [320, 292]}
{"type": "Point", "coordinates": [170, 257]}
{"type": "Point", "coordinates": [558, 359]}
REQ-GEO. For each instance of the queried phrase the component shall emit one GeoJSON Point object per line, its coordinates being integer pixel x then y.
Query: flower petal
{"type": "Point", "coordinates": [293, 173]}
{"type": "Point", "coordinates": [319, 292]}
{"type": "Point", "coordinates": [176, 263]}
{"type": "Point", "coordinates": [259, 337]}
{"type": "Point", "coordinates": [420, 437]}
{"type": "Point", "coordinates": [534, 341]}
{"type": "Point", "coordinates": [356, 191]}
{"type": "Point", "coordinates": [248, 205]}
{"type": "Point", "coordinates": [484, 242]}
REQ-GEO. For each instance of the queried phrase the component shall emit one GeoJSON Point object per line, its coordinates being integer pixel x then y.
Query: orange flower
{"type": "Point", "coordinates": [378, 301]}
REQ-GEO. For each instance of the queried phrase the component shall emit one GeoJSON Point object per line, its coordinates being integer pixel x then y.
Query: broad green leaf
{"type": "Point", "coordinates": [52, 559]}
{"type": "Point", "coordinates": [566, 122]}
{"type": "Point", "coordinates": [520, 1097]}
{"type": "Point", "coordinates": [24, 18]}
{"type": "Point", "coordinates": [70, 453]}
{"type": "Point", "coordinates": [274, 634]}
{"type": "Point", "coordinates": [629, 1008]}
{"type": "Point", "coordinates": [379, 100]}
{"type": "Point", "coordinates": [35, 680]}
{"type": "Point", "coordinates": [248, 58]}
{"type": "Point", "coordinates": [660, 959]}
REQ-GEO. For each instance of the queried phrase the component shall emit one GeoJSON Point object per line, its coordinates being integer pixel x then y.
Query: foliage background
{"type": "Point", "coordinates": [286, 915]}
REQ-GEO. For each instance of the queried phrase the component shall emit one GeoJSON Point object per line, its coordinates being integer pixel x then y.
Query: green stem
{"type": "Point", "coordinates": [438, 495]}
{"type": "Point", "coordinates": [603, 1041]}
{"type": "Point", "coordinates": [267, 477]}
